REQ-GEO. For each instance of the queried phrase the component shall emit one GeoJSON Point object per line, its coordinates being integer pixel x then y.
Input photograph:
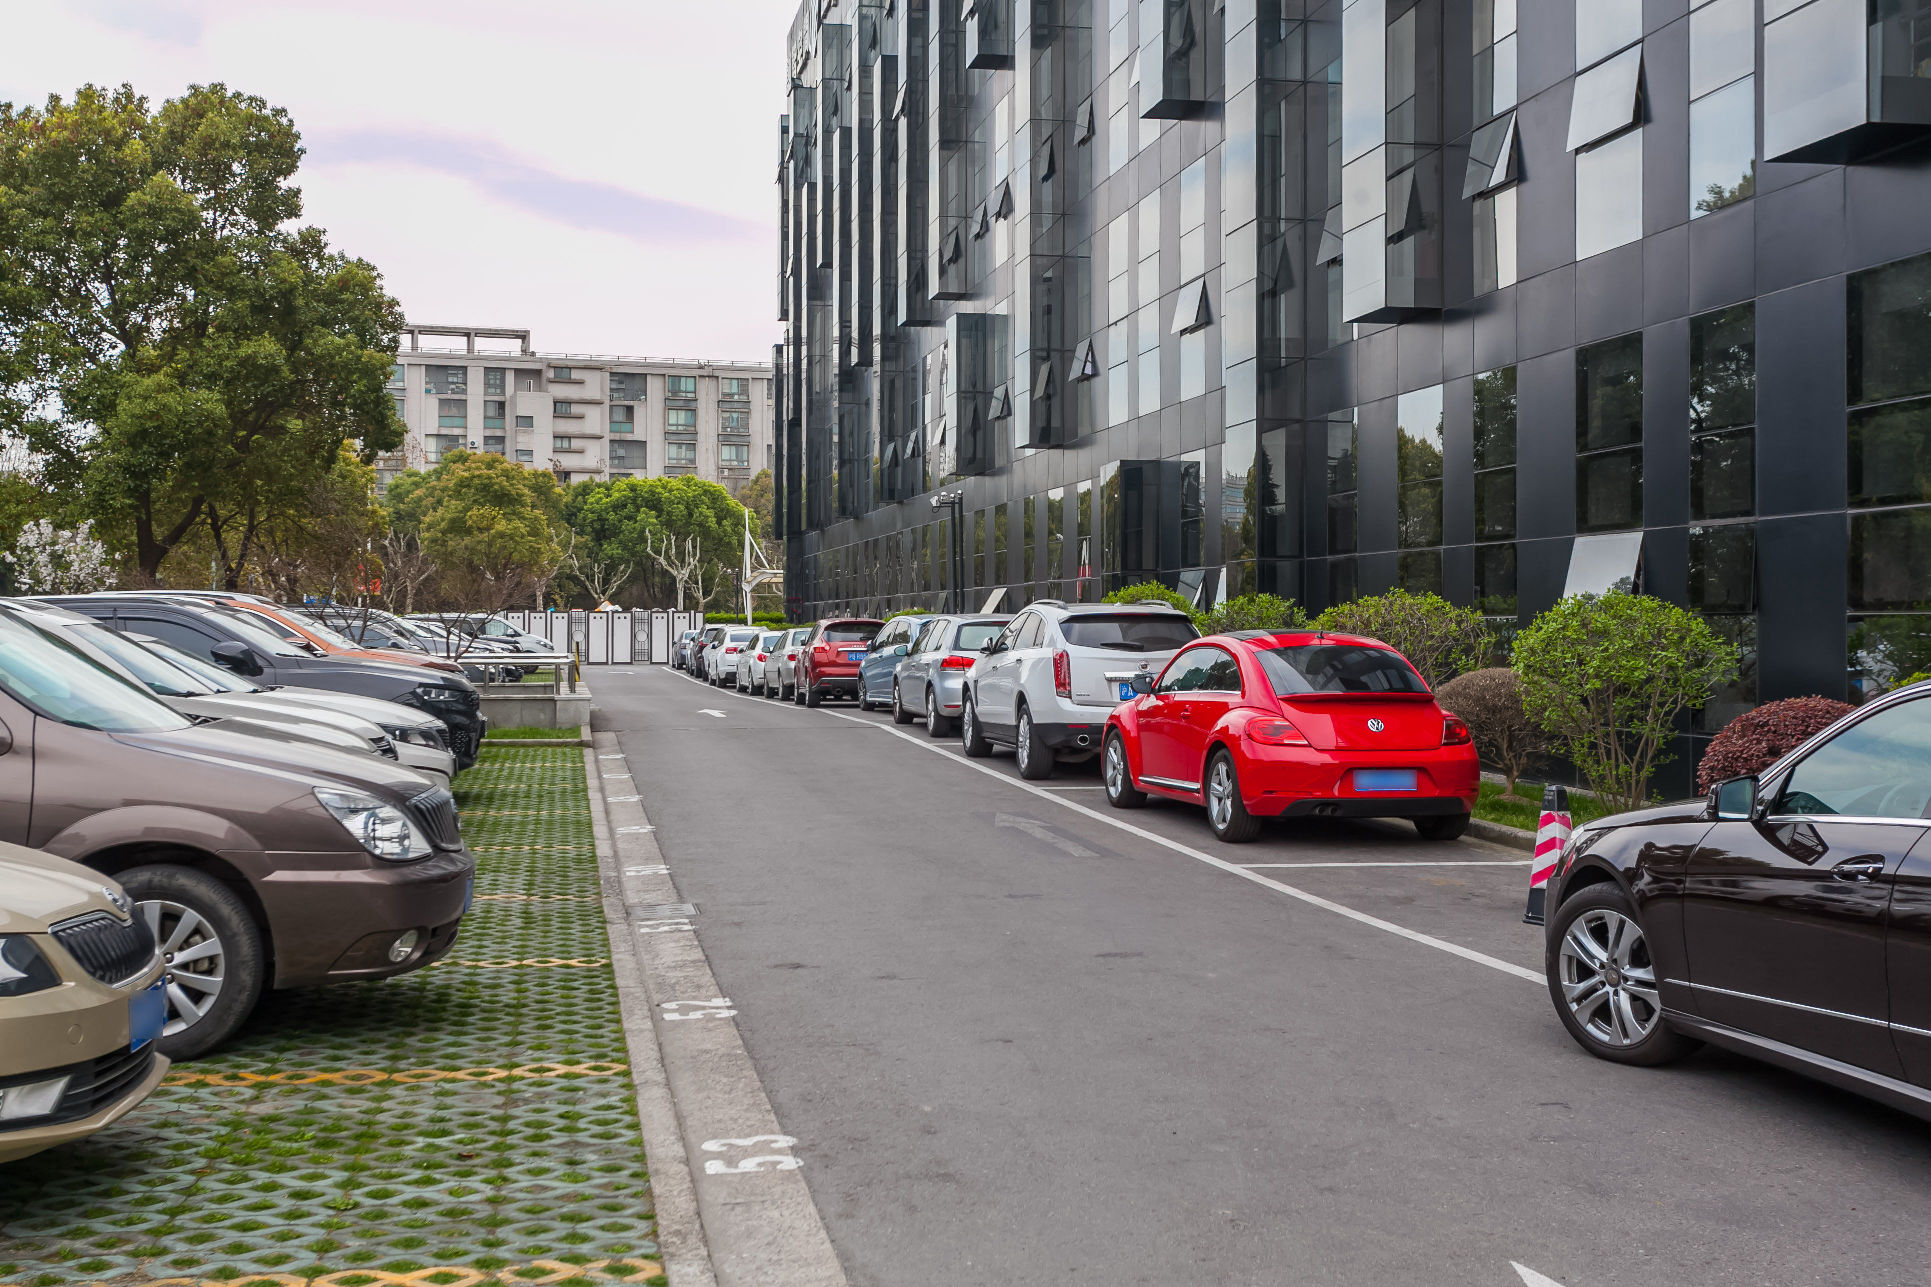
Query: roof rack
{"type": "Point", "coordinates": [1051, 603]}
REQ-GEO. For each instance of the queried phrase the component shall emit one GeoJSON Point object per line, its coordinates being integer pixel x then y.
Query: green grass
{"type": "Point", "coordinates": [529, 1153]}
{"type": "Point", "coordinates": [1492, 808]}
{"type": "Point", "coordinates": [523, 734]}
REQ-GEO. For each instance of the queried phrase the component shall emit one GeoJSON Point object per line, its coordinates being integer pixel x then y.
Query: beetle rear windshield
{"type": "Point", "coordinates": [974, 635]}
{"type": "Point", "coordinates": [1338, 668]}
{"type": "Point", "coordinates": [1130, 632]}
{"type": "Point", "coordinates": [853, 632]}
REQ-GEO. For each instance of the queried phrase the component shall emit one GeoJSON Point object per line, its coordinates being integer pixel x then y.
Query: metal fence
{"type": "Point", "coordinates": [610, 638]}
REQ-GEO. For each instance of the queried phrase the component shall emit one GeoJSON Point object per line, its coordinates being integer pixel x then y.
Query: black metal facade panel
{"type": "Point", "coordinates": [1065, 248]}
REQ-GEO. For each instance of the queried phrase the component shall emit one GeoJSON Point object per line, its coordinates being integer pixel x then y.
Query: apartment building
{"type": "Point", "coordinates": [1505, 299]}
{"type": "Point", "coordinates": [581, 417]}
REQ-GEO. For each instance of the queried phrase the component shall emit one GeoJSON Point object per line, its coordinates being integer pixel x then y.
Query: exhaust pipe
{"type": "Point", "coordinates": [1083, 740]}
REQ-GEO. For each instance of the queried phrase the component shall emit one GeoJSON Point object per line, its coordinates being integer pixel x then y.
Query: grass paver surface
{"type": "Point", "coordinates": [467, 1123]}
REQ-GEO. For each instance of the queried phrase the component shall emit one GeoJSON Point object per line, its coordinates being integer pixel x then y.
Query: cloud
{"type": "Point", "coordinates": [175, 24]}
{"type": "Point", "coordinates": [574, 203]}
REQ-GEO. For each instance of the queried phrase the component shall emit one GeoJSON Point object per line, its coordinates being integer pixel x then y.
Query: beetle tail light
{"type": "Point", "coordinates": [1455, 732]}
{"type": "Point", "coordinates": [1063, 673]}
{"type": "Point", "coordinates": [1275, 732]}
{"type": "Point", "coordinates": [956, 662]}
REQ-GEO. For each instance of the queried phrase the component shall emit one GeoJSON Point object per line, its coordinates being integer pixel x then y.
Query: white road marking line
{"type": "Point", "coordinates": [1076, 788]}
{"type": "Point", "coordinates": [1313, 900]}
{"type": "Point", "coordinates": [1449, 862]}
{"type": "Point", "coordinates": [715, 714]}
{"type": "Point", "coordinates": [1530, 1278]}
{"type": "Point", "coordinates": [1040, 831]}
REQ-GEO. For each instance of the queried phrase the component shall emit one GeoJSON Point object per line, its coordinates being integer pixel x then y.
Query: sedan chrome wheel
{"type": "Point", "coordinates": [1114, 767]}
{"type": "Point", "coordinates": [1608, 980]}
{"type": "Point", "coordinates": [195, 960]}
{"type": "Point", "coordinates": [1220, 795]}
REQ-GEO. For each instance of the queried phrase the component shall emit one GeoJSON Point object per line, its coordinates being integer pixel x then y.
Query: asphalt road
{"type": "Point", "coordinates": [1019, 1044]}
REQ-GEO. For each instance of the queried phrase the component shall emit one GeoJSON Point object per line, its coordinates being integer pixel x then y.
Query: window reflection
{"type": "Point", "coordinates": [1890, 331]}
{"type": "Point", "coordinates": [1495, 241]}
{"type": "Point", "coordinates": [1723, 45]}
{"type": "Point", "coordinates": [1609, 393]}
{"type": "Point", "coordinates": [1723, 474]}
{"type": "Point", "coordinates": [1495, 580]}
{"type": "Point", "coordinates": [1420, 571]}
{"type": "Point", "coordinates": [1341, 483]}
{"type": "Point", "coordinates": [1880, 651]}
{"type": "Point", "coordinates": [1723, 568]}
{"type": "Point", "coordinates": [1604, 26]}
{"type": "Point", "coordinates": [1609, 490]}
{"type": "Point", "coordinates": [1418, 461]}
{"type": "Point", "coordinates": [1495, 454]}
{"type": "Point", "coordinates": [1723, 403]}
{"type": "Point", "coordinates": [1723, 147]}
{"type": "Point", "coordinates": [1609, 195]}
{"type": "Point", "coordinates": [1814, 64]}
{"type": "Point", "coordinates": [1890, 454]}
{"type": "Point", "coordinates": [1890, 560]}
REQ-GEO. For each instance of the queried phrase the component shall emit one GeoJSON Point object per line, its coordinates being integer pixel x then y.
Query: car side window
{"type": "Point", "coordinates": [1222, 673]}
{"type": "Point", "coordinates": [1029, 637]}
{"type": "Point", "coordinates": [1008, 638]}
{"type": "Point", "coordinates": [1189, 671]}
{"type": "Point", "coordinates": [186, 638]}
{"type": "Point", "coordinates": [1879, 767]}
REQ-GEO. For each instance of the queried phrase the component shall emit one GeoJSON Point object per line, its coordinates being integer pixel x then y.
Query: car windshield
{"type": "Point", "coordinates": [1129, 632]}
{"type": "Point", "coordinates": [854, 632]}
{"type": "Point", "coordinates": [255, 631]}
{"type": "Point", "coordinates": [741, 636]}
{"type": "Point", "coordinates": [1338, 668]}
{"type": "Point", "coordinates": [974, 635]}
{"type": "Point", "coordinates": [56, 682]}
{"type": "Point", "coordinates": [768, 642]}
{"type": "Point", "coordinates": [326, 634]}
{"type": "Point", "coordinates": [213, 676]}
{"type": "Point", "coordinates": [162, 676]}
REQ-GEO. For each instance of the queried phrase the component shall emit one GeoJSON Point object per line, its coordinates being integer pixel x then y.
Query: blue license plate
{"type": "Point", "coordinates": [1126, 692]}
{"type": "Point", "coordinates": [1385, 780]}
{"type": "Point", "coordinates": [147, 1014]}
{"type": "Point", "coordinates": [854, 656]}
{"type": "Point", "coordinates": [469, 892]}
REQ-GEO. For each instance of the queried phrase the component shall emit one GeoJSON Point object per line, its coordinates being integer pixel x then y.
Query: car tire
{"type": "Point", "coordinates": [1590, 932]}
{"type": "Point", "coordinates": [798, 691]}
{"type": "Point", "coordinates": [1444, 826]}
{"type": "Point", "coordinates": [864, 702]}
{"type": "Point", "coordinates": [812, 694]}
{"type": "Point", "coordinates": [937, 724]}
{"type": "Point", "coordinates": [1030, 749]}
{"type": "Point", "coordinates": [899, 714]}
{"type": "Point", "coordinates": [169, 896]}
{"type": "Point", "coordinates": [1117, 770]}
{"type": "Point", "coordinates": [1226, 812]}
{"type": "Point", "coordinates": [977, 747]}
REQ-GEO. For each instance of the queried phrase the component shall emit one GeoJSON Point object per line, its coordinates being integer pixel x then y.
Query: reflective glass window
{"type": "Point", "coordinates": [1882, 650]}
{"type": "Point", "coordinates": [1723, 474]}
{"type": "Point", "coordinates": [1604, 26]}
{"type": "Point", "coordinates": [1495, 421]}
{"type": "Point", "coordinates": [1419, 571]}
{"type": "Point", "coordinates": [1341, 484]}
{"type": "Point", "coordinates": [1609, 393]}
{"type": "Point", "coordinates": [1723, 44]}
{"type": "Point", "coordinates": [1723, 369]}
{"type": "Point", "coordinates": [1602, 564]}
{"type": "Point", "coordinates": [1609, 195]}
{"type": "Point", "coordinates": [1723, 568]}
{"type": "Point", "coordinates": [1495, 241]}
{"type": "Point", "coordinates": [1890, 560]}
{"type": "Point", "coordinates": [1890, 454]}
{"type": "Point", "coordinates": [1495, 580]}
{"type": "Point", "coordinates": [1814, 60]}
{"type": "Point", "coordinates": [1364, 72]}
{"type": "Point", "coordinates": [1606, 99]}
{"type": "Point", "coordinates": [1495, 504]}
{"type": "Point", "coordinates": [1877, 768]}
{"type": "Point", "coordinates": [1890, 331]}
{"type": "Point", "coordinates": [1609, 490]}
{"type": "Point", "coordinates": [1723, 147]}
{"type": "Point", "coordinates": [1418, 462]}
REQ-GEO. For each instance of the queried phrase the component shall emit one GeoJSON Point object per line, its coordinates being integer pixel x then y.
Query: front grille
{"type": "Point", "coordinates": [110, 949]}
{"type": "Point", "coordinates": [98, 1083]}
{"type": "Point", "coordinates": [436, 810]}
{"type": "Point", "coordinates": [383, 746]}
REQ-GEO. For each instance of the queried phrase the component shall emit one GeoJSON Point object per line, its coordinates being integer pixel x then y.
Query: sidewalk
{"type": "Point", "coordinates": [468, 1124]}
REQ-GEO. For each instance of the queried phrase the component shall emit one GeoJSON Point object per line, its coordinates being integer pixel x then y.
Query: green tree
{"type": "Point", "coordinates": [179, 354]}
{"type": "Point", "coordinates": [1608, 677]}
{"type": "Point", "coordinates": [491, 529]}
{"type": "Point", "coordinates": [760, 496]}
{"type": "Point", "coordinates": [1440, 639]}
{"type": "Point", "coordinates": [1155, 591]}
{"type": "Point", "coordinates": [614, 524]}
{"type": "Point", "coordinates": [1253, 612]}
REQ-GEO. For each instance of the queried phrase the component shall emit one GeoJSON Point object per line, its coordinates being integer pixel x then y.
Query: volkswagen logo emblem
{"type": "Point", "coordinates": [1375, 726]}
{"type": "Point", "coordinates": [122, 903]}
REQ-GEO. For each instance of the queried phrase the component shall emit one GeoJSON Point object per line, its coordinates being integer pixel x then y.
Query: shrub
{"type": "Point", "coordinates": [1755, 740]}
{"type": "Point", "coordinates": [1152, 590]}
{"type": "Point", "coordinates": [1608, 677]}
{"type": "Point", "coordinates": [1442, 640]}
{"type": "Point", "coordinates": [912, 612]}
{"type": "Point", "coordinates": [1490, 703]}
{"type": "Point", "coordinates": [1253, 612]}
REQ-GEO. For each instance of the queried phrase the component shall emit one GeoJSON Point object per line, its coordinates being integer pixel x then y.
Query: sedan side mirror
{"type": "Point", "coordinates": [901, 650]}
{"type": "Point", "coordinates": [1141, 683]}
{"type": "Point", "coordinates": [986, 647]}
{"type": "Point", "coordinates": [1736, 799]}
{"type": "Point", "coordinates": [237, 657]}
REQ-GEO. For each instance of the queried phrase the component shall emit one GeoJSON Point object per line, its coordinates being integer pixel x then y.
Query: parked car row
{"type": "Point", "coordinates": [1251, 725]}
{"type": "Point", "coordinates": [203, 796]}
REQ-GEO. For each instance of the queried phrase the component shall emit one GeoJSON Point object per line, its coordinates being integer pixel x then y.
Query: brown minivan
{"type": "Point", "coordinates": [255, 865]}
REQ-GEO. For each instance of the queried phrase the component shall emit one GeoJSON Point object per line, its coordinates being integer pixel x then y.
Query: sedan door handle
{"type": "Point", "coordinates": [1864, 868]}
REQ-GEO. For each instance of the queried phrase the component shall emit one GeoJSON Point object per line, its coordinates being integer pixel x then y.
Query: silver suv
{"type": "Point", "coordinates": [1045, 685]}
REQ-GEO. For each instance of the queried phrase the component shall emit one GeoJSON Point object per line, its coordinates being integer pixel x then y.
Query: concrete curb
{"type": "Point", "coordinates": [680, 1229]}
{"type": "Point", "coordinates": [581, 739]}
{"type": "Point", "coordinates": [1497, 833]}
{"type": "Point", "coordinates": [753, 1214]}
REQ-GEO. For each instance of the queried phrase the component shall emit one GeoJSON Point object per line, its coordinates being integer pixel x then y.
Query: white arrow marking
{"type": "Point", "coordinates": [647, 871]}
{"type": "Point", "coordinates": [1040, 831]}
{"type": "Point", "coordinates": [713, 714]}
{"type": "Point", "coordinates": [1530, 1278]}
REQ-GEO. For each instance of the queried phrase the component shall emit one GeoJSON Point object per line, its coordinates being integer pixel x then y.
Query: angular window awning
{"type": "Point", "coordinates": [1085, 364]}
{"type": "Point", "coordinates": [981, 222]}
{"type": "Point", "coordinates": [1330, 248]}
{"type": "Point", "coordinates": [1190, 312]}
{"type": "Point", "coordinates": [1085, 123]}
{"type": "Point", "coordinates": [1404, 206]}
{"type": "Point", "coordinates": [1276, 267]}
{"type": "Point", "coordinates": [1002, 403]}
{"type": "Point", "coordinates": [1002, 205]}
{"type": "Point", "coordinates": [1491, 157]}
{"type": "Point", "coordinates": [1611, 561]}
{"type": "Point", "coordinates": [1608, 99]}
{"type": "Point", "coordinates": [1043, 382]}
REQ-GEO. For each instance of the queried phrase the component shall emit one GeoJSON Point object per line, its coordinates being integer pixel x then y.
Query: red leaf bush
{"type": "Point", "coordinates": [1756, 739]}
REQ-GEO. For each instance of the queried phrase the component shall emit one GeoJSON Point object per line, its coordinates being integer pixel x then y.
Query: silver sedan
{"type": "Point", "coordinates": [781, 664]}
{"type": "Point", "coordinates": [928, 681]}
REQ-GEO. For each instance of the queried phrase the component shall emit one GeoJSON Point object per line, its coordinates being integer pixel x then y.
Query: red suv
{"type": "Point", "coordinates": [828, 658]}
{"type": "Point", "coordinates": [1292, 724]}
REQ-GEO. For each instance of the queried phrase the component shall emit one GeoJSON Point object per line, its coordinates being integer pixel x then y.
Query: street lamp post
{"type": "Point", "coordinates": [954, 501]}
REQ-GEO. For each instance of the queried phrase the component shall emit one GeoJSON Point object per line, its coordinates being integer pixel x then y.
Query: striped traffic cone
{"type": "Point", "coordinates": [1551, 834]}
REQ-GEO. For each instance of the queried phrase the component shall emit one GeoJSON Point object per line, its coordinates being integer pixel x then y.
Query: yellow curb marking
{"type": "Point", "coordinates": [371, 1076]}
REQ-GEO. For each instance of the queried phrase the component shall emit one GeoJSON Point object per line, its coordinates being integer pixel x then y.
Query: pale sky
{"type": "Point", "coordinates": [601, 172]}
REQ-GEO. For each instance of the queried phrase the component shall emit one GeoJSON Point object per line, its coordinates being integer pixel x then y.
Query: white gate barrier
{"type": "Point", "coordinates": [610, 638]}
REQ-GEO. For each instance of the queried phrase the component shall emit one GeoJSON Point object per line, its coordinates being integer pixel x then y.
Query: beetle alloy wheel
{"type": "Point", "coordinates": [1608, 978]}
{"type": "Point", "coordinates": [1220, 795]}
{"type": "Point", "coordinates": [1115, 768]}
{"type": "Point", "coordinates": [194, 957]}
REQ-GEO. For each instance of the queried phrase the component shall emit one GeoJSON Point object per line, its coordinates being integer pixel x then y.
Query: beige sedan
{"type": "Point", "coordinates": [81, 1003]}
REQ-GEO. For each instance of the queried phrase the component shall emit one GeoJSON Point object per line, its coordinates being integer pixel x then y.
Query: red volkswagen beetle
{"type": "Point", "coordinates": [1260, 724]}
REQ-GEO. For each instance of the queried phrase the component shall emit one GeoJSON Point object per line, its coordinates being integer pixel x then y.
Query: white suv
{"type": "Point", "coordinates": [1045, 685]}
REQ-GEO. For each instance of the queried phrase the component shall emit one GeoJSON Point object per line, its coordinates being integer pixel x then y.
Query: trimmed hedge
{"type": "Point", "coordinates": [1755, 740]}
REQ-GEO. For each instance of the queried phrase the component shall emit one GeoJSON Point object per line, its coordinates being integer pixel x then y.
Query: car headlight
{"type": "Point", "coordinates": [413, 736]}
{"type": "Point", "coordinates": [439, 694]}
{"type": "Point", "coordinates": [22, 967]}
{"type": "Point", "coordinates": [382, 829]}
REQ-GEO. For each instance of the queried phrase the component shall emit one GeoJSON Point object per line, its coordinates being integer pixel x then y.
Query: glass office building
{"type": "Point", "coordinates": [1505, 299]}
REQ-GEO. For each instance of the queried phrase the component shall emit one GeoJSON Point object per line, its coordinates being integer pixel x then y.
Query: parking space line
{"type": "Point", "coordinates": [1236, 869]}
{"type": "Point", "coordinates": [1421, 862]}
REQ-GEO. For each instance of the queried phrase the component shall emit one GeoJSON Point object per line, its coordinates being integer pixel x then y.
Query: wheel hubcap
{"type": "Point", "coordinates": [1608, 980]}
{"type": "Point", "coordinates": [195, 959]}
{"type": "Point", "coordinates": [1025, 739]}
{"type": "Point", "coordinates": [1220, 795]}
{"type": "Point", "coordinates": [1115, 770]}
